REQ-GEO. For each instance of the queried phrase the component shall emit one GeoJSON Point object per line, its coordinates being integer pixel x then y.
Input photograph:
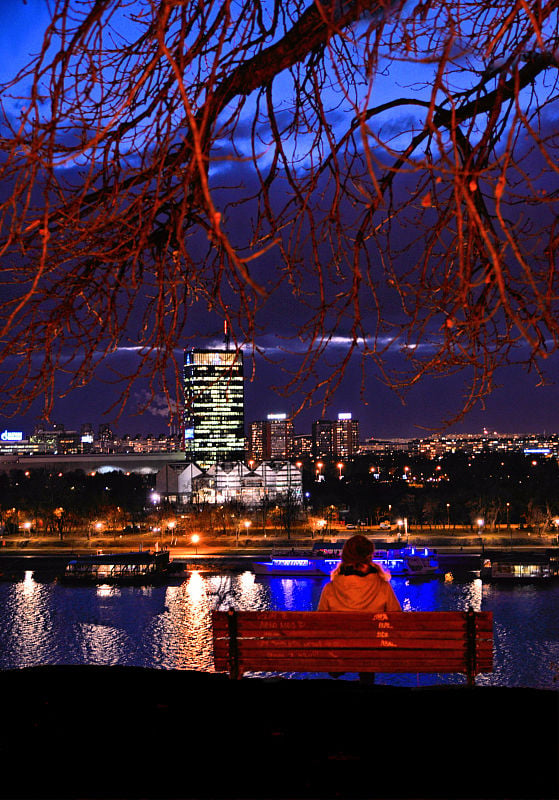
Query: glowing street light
{"type": "Point", "coordinates": [480, 524]}
{"type": "Point", "coordinates": [195, 540]}
{"type": "Point", "coordinates": [319, 466]}
{"type": "Point", "coordinates": [247, 523]}
{"type": "Point", "coordinates": [340, 466]}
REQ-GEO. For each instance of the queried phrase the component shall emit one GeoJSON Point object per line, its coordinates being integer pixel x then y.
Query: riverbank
{"type": "Point", "coordinates": [255, 540]}
{"type": "Point", "coordinates": [115, 732]}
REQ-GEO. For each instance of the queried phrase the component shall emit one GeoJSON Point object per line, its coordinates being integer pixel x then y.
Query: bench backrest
{"type": "Point", "coordinates": [325, 641]}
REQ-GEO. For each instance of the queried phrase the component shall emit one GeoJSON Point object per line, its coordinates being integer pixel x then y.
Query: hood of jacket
{"type": "Point", "coordinates": [358, 592]}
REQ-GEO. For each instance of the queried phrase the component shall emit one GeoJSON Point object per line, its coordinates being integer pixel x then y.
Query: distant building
{"type": "Point", "coordinates": [214, 406]}
{"type": "Point", "coordinates": [56, 439]}
{"type": "Point", "coordinates": [230, 482]}
{"type": "Point", "coordinates": [346, 436]}
{"type": "Point", "coordinates": [271, 438]}
{"type": "Point", "coordinates": [335, 438]}
{"type": "Point", "coordinates": [174, 482]}
{"type": "Point", "coordinates": [302, 445]}
{"type": "Point", "coordinates": [235, 482]}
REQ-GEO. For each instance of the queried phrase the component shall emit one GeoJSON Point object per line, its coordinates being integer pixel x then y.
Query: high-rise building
{"type": "Point", "coordinates": [214, 406]}
{"type": "Point", "coordinates": [323, 438]}
{"type": "Point", "coordinates": [346, 436]}
{"type": "Point", "coordinates": [335, 438]}
{"type": "Point", "coordinates": [271, 438]}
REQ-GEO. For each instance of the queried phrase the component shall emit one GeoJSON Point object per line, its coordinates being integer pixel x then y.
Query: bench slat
{"type": "Point", "coordinates": [350, 642]}
{"type": "Point", "coordinates": [353, 663]}
{"type": "Point", "coordinates": [454, 638]}
{"type": "Point", "coordinates": [417, 620]}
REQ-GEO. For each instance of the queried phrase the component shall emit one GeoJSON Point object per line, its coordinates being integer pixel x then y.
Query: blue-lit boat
{"type": "Point", "coordinates": [407, 562]}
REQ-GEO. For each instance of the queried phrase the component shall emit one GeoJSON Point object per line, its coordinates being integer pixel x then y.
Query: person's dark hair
{"type": "Point", "coordinates": [357, 550]}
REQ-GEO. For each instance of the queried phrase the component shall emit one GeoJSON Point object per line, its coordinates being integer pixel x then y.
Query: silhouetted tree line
{"type": "Point", "coordinates": [455, 489]}
{"type": "Point", "coordinates": [56, 502]}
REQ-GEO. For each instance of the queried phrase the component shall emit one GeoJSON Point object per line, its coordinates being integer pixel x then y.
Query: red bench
{"type": "Point", "coordinates": [320, 641]}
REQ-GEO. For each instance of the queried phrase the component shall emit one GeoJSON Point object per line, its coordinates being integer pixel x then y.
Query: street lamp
{"type": "Point", "coordinates": [195, 540]}
{"type": "Point", "coordinates": [480, 523]}
{"type": "Point", "coordinates": [247, 523]}
{"type": "Point", "coordinates": [340, 466]}
{"type": "Point", "coordinates": [448, 516]}
{"type": "Point", "coordinates": [319, 466]}
{"type": "Point", "coordinates": [171, 527]}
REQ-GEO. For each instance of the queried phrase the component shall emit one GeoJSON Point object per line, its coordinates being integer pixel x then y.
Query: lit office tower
{"type": "Point", "coordinates": [214, 406]}
{"type": "Point", "coordinates": [271, 438]}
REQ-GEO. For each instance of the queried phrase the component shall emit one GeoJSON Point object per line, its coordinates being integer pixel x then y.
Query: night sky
{"type": "Point", "coordinates": [517, 404]}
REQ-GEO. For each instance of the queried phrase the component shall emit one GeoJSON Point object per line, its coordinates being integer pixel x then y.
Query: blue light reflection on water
{"type": "Point", "coordinates": [169, 627]}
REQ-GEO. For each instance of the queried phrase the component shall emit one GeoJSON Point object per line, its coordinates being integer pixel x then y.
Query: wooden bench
{"type": "Point", "coordinates": [320, 641]}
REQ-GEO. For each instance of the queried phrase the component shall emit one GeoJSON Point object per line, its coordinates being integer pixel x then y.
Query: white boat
{"type": "Point", "coordinates": [322, 560]}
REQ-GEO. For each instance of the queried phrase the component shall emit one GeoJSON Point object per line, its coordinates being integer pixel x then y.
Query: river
{"type": "Point", "coordinates": [169, 627]}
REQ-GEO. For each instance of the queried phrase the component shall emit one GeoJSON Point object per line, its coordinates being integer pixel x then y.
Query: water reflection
{"type": "Point", "coordinates": [170, 627]}
{"type": "Point", "coordinates": [27, 623]}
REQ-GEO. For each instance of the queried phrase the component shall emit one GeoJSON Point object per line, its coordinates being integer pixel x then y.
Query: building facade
{"type": "Point", "coordinates": [235, 482]}
{"type": "Point", "coordinates": [335, 438]}
{"type": "Point", "coordinates": [214, 406]}
{"type": "Point", "coordinates": [271, 438]}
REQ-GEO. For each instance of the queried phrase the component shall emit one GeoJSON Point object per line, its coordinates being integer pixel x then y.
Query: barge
{"type": "Point", "coordinates": [521, 566]}
{"type": "Point", "coordinates": [127, 569]}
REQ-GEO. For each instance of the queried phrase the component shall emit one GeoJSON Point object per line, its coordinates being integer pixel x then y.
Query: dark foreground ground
{"type": "Point", "coordinates": [113, 732]}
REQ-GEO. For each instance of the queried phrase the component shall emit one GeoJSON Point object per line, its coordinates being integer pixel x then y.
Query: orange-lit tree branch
{"type": "Point", "coordinates": [159, 157]}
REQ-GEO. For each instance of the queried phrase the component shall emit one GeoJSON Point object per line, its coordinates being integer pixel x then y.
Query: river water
{"type": "Point", "coordinates": [169, 627]}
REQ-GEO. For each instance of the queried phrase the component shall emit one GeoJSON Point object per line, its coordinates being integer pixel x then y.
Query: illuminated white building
{"type": "Point", "coordinates": [230, 482]}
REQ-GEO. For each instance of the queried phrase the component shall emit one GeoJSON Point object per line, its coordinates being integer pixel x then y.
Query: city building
{"type": "Point", "coordinates": [302, 445]}
{"type": "Point", "coordinates": [346, 436]}
{"type": "Point", "coordinates": [214, 406]}
{"type": "Point", "coordinates": [56, 439]}
{"type": "Point", "coordinates": [271, 438]}
{"type": "Point", "coordinates": [235, 482]}
{"type": "Point", "coordinates": [335, 438]}
{"type": "Point", "coordinates": [230, 482]}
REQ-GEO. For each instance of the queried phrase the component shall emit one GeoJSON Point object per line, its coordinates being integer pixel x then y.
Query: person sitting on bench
{"type": "Point", "coordinates": [357, 584]}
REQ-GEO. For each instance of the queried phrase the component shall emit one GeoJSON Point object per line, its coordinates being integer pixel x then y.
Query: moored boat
{"type": "Point", "coordinates": [134, 568]}
{"type": "Point", "coordinates": [324, 558]}
{"type": "Point", "coordinates": [521, 566]}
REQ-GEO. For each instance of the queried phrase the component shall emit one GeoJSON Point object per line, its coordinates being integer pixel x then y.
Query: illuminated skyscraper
{"type": "Point", "coordinates": [214, 406]}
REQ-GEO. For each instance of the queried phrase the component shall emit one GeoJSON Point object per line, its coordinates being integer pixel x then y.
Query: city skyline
{"type": "Point", "coordinates": [520, 409]}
